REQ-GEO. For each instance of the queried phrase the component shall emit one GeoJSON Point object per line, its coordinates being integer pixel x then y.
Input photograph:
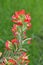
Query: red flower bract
{"type": "Point", "coordinates": [24, 53]}
{"type": "Point", "coordinates": [21, 12]}
{"type": "Point", "coordinates": [19, 23]}
{"type": "Point", "coordinates": [14, 28]}
{"type": "Point", "coordinates": [21, 17]}
{"type": "Point", "coordinates": [14, 41]}
{"type": "Point", "coordinates": [14, 17]}
{"type": "Point", "coordinates": [24, 32]}
{"type": "Point", "coordinates": [7, 45]}
{"type": "Point", "coordinates": [27, 18]}
{"type": "Point", "coordinates": [12, 61]}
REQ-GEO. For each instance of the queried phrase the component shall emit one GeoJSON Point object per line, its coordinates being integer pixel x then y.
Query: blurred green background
{"type": "Point", "coordinates": [35, 8]}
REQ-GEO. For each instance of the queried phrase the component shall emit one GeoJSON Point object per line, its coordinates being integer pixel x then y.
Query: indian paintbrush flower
{"type": "Point", "coordinates": [19, 55]}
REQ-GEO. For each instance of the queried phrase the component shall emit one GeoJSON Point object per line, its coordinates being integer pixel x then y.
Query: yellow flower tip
{"type": "Point", "coordinates": [0, 54]}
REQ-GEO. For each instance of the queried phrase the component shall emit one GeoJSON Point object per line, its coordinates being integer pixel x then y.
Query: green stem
{"type": "Point", "coordinates": [21, 37]}
{"type": "Point", "coordinates": [25, 40]}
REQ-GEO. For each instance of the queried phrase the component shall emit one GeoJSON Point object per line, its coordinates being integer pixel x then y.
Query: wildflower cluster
{"type": "Point", "coordinates": [15, 53]}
